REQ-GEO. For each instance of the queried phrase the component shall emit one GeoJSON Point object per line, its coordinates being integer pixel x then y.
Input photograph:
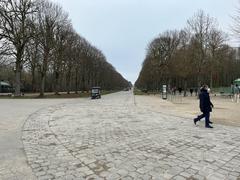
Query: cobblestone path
{"type": "Point", "coordinates": [113, 138]}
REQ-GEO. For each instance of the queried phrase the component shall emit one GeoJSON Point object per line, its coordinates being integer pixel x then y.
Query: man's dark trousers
{"type": "Point", "coordinates": [206, 115]}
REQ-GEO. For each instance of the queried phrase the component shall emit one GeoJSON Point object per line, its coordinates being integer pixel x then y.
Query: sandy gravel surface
{"type": "Point", "coordinates": [119, 136]}
{"type": "Point", "coordinates": [225, 111]}
{"type": "Point", "coordinates": [125, 137]}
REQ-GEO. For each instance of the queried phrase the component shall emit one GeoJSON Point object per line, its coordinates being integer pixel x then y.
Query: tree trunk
{"type": "Point", "coordinates": [43, 76]}
{"type": "Point", "coordinates": [68, 78]}
{"type": "Point", "coordinates": [211, 80]}
{"type": "Point", "coordinates": [83, 83]}
{"type": "Point", "coordinates": [199, 83]}
{"type": "Point", "coordinates": [18, 74]}
{"type": "Point", "coordinates": [185, 87]}
{"type": "Point", "coordinates": [33, 80]}
{"type": "Point", "coordinates": [57, 83]}
{"type": "Point", "coordinates": [76, 81]}
{"type": "Point", "coordinates": [43, 73]}
{"type": "Point", "coordinates": [18, 79]}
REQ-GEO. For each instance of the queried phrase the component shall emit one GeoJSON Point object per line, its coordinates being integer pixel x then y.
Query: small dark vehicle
{"type": "Point", "coordinates": [96, 93]}
{"type": "Point", "coordinates": [6, 87]}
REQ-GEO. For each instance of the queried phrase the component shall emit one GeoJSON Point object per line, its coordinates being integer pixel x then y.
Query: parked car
{"type": "Point", "coordinates": [5, 87]}
{"type": "Point", "coordinates": [96, 93]}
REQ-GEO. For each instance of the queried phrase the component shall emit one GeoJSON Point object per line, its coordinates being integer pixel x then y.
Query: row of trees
{"type": "Point", "coordinates": [38, 42]}
{"type": "Point", "coordinates": [189, 57]}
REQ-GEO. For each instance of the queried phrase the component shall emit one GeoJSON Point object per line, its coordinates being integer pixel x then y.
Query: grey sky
{"type": "Point", "coordinates": [123, 28]}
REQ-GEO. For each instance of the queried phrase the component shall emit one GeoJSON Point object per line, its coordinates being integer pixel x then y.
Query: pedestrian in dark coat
{"type": "Point", "coordinates": [205, 107]}
{"type": "Point", "coordinates": [191, 91]}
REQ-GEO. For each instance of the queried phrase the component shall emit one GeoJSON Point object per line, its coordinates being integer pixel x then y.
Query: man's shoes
{"type": "Point", "coordinates": [195, 120]}
{"type": "Point", "coordinates": [208, 126]}
{"type": "Point", "coordinates": [210, 122]}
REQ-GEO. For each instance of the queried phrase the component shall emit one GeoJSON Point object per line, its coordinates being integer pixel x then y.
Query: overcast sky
{"type": "Point", "coordinates": [123, 28]}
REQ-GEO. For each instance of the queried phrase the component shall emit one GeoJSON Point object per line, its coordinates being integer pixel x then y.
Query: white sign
{"type": "Point", "coordinates": [164, 88]}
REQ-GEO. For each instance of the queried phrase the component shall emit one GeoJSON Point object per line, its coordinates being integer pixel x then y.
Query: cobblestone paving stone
{"type": "Point", "coordinates": [112, 138]}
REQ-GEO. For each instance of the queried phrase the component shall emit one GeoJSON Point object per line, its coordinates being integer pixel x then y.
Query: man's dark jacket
{"type": "Point", "coordinates": [205, 103]}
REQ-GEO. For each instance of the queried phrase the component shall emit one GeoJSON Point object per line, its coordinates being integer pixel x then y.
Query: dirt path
{"type": "Point", "coordinates": [225, 111]}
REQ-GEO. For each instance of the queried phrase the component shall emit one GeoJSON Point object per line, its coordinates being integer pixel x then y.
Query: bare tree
{"type": "Point", "coordinates": [236, 21]}
{"type": "Point", "coordinates": [200, 26]}
{"type": "Point", "coordinates": [60, 45]}
{"type": "Point", "coordinates": [182, 63]}
{"type": "Point", "coordinates": [71, 56]}
{"type": "Point", "coordinates": [32, 56]}
{"type": "Point", "coordinates": [216, 41]}
{"type": "Point", "coordinates": [14, 30]}
{"type": "Point", "coordinates": [48, 17]}
{"type": "Point", "coordinates": [198, 54]}
{"type": "Point", "coordinates": [159, 56]}
{"type": "Point", "coordinates": [50, 54]}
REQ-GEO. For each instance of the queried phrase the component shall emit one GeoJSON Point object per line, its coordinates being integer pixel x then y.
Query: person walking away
{"type": "Point", "coordinates": [174, 90]}
{"type": "Point", "coordinates": [236, 93]}
{"type": "Point", "coordinates": [180, 90]}
{"type": "Point", "coordinates": [196, 91]}
{"type": "Point", "coordinates": [191, 91]}
{"type": "Point", "coordinates": [205, 107]}
{"type": "Point", "coordinates": [232, 92]}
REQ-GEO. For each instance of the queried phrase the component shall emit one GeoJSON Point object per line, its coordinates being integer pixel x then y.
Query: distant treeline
{"type": "Point", "coordinates": [40, 51]}
{"type": "Point", "coordinates": [189, 57]}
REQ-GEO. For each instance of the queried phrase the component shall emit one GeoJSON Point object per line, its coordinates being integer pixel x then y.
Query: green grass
{"type": "Point", "coordinates": [60, 96]}
{"type": "Point", "coordinates": [108, 92]}
{"type": "Point", "coordinates": [226, 90]}
{"type": "Point", "coordinates": [141, 92]}
{"type": "Point", "coordinates": [65, 95]}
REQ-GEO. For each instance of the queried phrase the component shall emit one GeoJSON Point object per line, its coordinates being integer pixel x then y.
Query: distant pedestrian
{"type": "Point", "coordinates": [191, 91]}
{"type": "Point", "coordinates": [236, 93]}
{"type": "Point", "coordinates": [205, 107]}
{"type": "Point", "coordinates": [232, 91]}
{"type": "Point", "coordinates": [174, 90]}
{"type": "Point", "coordinates": [180, 90]}
{"type": "Point", "coordinates": [196, 91]}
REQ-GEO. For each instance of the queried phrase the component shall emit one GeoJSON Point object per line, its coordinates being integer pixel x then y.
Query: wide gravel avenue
{"type": "Point", "coordinates": [117, 137]}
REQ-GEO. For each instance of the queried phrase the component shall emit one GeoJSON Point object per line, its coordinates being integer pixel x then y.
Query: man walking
{"type": "Point", "coordinates": [205, 106]}
{"type": "Point", "coordinates": [236, 93]}
{"type": "Point", "coordinates": [232, 91]}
